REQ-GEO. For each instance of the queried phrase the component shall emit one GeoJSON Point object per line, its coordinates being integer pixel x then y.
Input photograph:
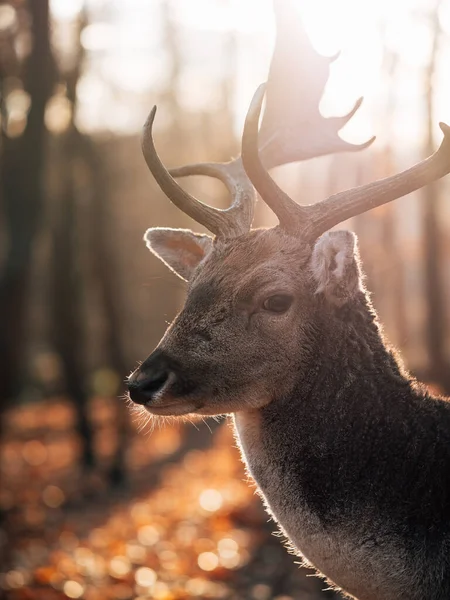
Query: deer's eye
{"type": "Point", "coordinates": [279, 303]}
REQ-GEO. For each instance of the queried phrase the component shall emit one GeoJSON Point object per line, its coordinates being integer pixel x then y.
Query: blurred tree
{"type": "Point", "coordinates": [81, 172]}
{"type": "Point", "coordinates": [22, 190]}
{"type": "Point", "coordinates": [67, 283]}
{"type": "Point", "coordinates": [173, 49]}
{"type": "Point", "coordinates": [109, 299]}
{"type": "Point", "coordinates": [439, 368]}
{"type": "Point", "coordinates": [393, 269]}
{"type": "Point", "coordinates": [22, 168]}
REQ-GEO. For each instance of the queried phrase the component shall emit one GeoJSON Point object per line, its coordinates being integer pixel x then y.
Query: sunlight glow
{"type": "Point", "coordinates": [8, 17]}
{"type": "Point", "coordinates": [358, 29]}
{"type": "Point", "coordinates": [98, 36]}
{"type": "Point", "coordinates": [66, 9]}
{"type": "Point", "coordinates": [127, 56]}
{"type": "Point", "coordinates": [246, 16]}
{"type": "Point", "coordinates": [444, 17]}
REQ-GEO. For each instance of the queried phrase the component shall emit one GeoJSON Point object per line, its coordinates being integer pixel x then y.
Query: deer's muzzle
{"type": "Point", "coordinates": [150, 379]}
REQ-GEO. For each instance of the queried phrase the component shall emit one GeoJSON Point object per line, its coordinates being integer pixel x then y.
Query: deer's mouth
{"type": "Point", "coordinates": [165, 401]}
{"type": "Point", "coordinates": [161, 388]}
{"type": "Point", "coordinates": [172, 408]}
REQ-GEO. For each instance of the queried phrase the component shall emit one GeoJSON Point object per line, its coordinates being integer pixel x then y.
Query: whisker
{"type": "Point", "coordinates": [207, 424]}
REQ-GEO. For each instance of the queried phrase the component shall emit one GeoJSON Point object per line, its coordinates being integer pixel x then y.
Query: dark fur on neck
{"type": "Point", "coordinates": [372, 446]}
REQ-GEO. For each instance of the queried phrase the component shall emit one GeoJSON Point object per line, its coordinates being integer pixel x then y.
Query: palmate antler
{"type": "Point", "coordinates": [292, 130]}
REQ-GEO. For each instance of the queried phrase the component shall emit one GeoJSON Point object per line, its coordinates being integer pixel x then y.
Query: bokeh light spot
{"type": "Point", "coordinates": [211, 500]}
{"type": "Point", "coordinates": [148, 535]}
{"type": "Point", "coordinates": [7, 17]}
{"type": "Point", "coordinates": [145, 577]}
{"type": "Point", "coordinates": [261, 591]}
{"type": "Point", "coordinates": [58, 114]}
{"type": "Point", "coordinates": [34, 453]}
{"type": "Point", "coordinates": [53, 496]}
{"type": "Point", "coordinates": [119, 566]}
{"type": "Point", "coordinates": [14, 579]}
{"type": "Point", "coordinates": [73, 589]}
{"type": "Point", "coordinates": [208, 561]}
{"type": "Point", "coordinates": [227, 548]}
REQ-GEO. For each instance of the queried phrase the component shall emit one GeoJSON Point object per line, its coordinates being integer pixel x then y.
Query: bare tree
{"type": "Point", "coordinates": [439, 369]}
{"type": "Point", "coordinates": [71, 280]}
{"type": "Point", "coordinates": [22, 169]}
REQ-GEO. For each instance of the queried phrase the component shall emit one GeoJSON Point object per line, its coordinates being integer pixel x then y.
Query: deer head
{"type": "Point", "coordinates": [256, 297]}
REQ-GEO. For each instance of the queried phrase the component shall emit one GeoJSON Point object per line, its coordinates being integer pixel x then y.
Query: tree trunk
{"type": "Point", "coordinates": [22, 194]}
{"type": "Point", "coordinates": [67, 286]}
{"type": "Point", "coordinates": [435, 330]}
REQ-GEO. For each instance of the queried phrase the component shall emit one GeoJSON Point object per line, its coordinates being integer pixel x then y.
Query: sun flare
{"type": "Point", "coordinates": [125, 51]}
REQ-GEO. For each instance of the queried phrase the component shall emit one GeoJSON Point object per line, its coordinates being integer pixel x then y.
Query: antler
{"type": "Point", "coordinates": [311, 221]}
{"type": "Point", "coordinates": [292, 127]}
{"type": "Point", "coordinates": [292, 130]}
{"type": "Point", "coordinates": [230, 222]}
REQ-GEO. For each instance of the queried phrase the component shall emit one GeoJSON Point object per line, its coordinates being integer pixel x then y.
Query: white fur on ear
{"type": "Point", "coordinates": [335, 266]}
{"type": "Point", "coordinates": [181, 250]}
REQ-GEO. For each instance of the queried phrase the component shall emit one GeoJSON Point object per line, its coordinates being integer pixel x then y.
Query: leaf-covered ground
{"type": "Point", "coordinates": [187, 524]}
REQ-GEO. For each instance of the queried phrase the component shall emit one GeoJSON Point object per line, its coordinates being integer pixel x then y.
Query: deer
{"type": "Point", "coordinates": [349, 453]}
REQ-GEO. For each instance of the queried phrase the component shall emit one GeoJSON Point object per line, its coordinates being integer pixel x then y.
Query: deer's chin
{"type": "Point", "coordinates": [171, 409]}
{"type": "Point", "coordinates": [167, 405]}
{"type": "Point", "coordinates": [185, 407]}
{"type": "Point", "coordinates": [231, 406]}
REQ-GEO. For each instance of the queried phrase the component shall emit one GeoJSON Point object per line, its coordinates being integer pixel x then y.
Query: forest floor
{"type": "Point", "coordinates": [187, 523]}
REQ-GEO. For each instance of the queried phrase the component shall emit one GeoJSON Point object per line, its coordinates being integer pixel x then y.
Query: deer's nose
{"type": "Point", "coordinates": [149, 379]}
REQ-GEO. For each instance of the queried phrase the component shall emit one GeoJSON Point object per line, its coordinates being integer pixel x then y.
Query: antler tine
{"type": "Point", "coordinates": [228, 223]}
{"type": "Point", "coordinates": [342, 206]}
{"type": "Point", "coordinates": [289, 213]}
{"type": "Point", "coordinates": [338, 123]}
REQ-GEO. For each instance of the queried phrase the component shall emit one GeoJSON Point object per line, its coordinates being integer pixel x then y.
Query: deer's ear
{"type": "Point", "coordinates": [336, 268]}
{"type": "Point", "coordinates": [180, 249]}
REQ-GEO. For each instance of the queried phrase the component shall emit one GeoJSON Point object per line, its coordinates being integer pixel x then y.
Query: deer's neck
{"type": "Point", "coordinates": [351, 401]}
{"type": "Point", "coordinates": [335, 458]}
{"type": "Point", "coordinates": [349, 387]}
{"type": "Point", "coordinates": [349, 355]}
